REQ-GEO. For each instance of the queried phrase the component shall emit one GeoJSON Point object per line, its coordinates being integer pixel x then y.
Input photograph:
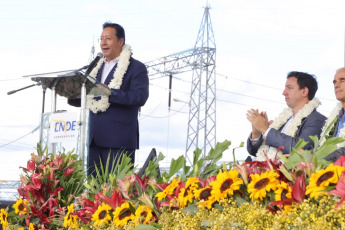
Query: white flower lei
{"type": "Point", "coordinates": [330, 121]}
{"type": "Point", "coordinates": [103, 104]}
{"type": "Point", "coordinates": [283, 117]}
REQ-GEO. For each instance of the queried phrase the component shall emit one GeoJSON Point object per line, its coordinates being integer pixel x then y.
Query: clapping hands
{"type": "Point", "coordinates": [260, 122]}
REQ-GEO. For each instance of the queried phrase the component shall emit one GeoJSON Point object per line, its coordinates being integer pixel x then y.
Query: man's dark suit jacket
{"type": "Point", "coordinates": [334, 156]}
{"type": "Point", "coordinates": [117, 127]}
{"type": "Point", "coordinates": [310, 126]}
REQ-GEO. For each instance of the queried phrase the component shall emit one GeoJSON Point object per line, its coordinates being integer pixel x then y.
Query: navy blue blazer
{"type": "Point", "coordinates": [118, 127]}
{"type": "Point", "coordinates": [310, 126]}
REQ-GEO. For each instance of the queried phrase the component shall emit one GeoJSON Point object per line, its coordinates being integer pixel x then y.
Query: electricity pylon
{"type": "Point", "coordinates": [201, 60]}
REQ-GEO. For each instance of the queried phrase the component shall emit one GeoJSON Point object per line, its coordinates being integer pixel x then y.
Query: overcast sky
{"type": "Point", "coordinates": [258, 43]}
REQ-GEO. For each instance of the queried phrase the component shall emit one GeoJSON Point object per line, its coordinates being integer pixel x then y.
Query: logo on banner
{"type": "Point", "coordinates": [63, 127]}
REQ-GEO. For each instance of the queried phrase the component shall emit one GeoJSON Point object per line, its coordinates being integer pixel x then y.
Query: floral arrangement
{"type": "Point", "coordinates": [299, 192]}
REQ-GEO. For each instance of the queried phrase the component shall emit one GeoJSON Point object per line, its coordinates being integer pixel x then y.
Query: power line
{"type": "Point", "coordinates": [20, 137]}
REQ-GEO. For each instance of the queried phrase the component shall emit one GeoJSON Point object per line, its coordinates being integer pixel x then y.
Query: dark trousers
{"type": "Point", "coordinates": [99, 154]}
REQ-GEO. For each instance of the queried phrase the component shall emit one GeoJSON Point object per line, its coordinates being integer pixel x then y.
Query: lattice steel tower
{"type": "Point", "coordinates": [201, 60]}
{"type": "Point", "coordinates": [202, 113]}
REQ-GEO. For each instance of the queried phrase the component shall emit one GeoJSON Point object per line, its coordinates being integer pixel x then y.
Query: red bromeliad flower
{"type": "Point", "coordinates": [340, 161]}
{"type": "Point", "coordinates": [340, 190]}
{"type": "Point", "coordinates": [114, 201]}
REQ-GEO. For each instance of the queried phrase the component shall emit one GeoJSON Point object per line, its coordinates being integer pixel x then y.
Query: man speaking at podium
{"type": "Point", "coordinates": [114, 118]}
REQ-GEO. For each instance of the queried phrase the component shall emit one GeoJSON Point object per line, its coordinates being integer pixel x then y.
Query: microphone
{"type": "Point", "coordinates": [93, 63]}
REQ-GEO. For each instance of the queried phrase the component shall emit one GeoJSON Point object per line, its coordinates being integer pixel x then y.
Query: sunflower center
{"type": "Point", "coordinates": [21, 207]}
{"type": "Point", "coordinates": [226, 184]}
{"type": "Point", "coordinates": [102, 215]}
{"type": "Point", "coordinates": [261, 183]}
{"type": "Point", "coordinates": [204, 195]}
{"type": "Point", "coordinates": [283, 195]}
{"type": "Point", "coordinates": [143, 214]}
{"type": "Point", "coordinates": [324, 177]}
{"type": "Point", "coordinates": [185, 193]}
{"type": "Point", "coordinates": [126, 212]}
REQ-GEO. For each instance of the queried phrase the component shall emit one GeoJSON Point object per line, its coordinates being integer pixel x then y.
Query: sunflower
{"type": "Point", "coordinates": [192, 183]}
{"type": "Point", "coordinates": [226, 183]}
{"type": "Point", "coordinates": [20, 207]}
{"type": "Point", "coordinates": [184, 197]}
{"type": "Point", "coordinates": [101, 215]}
{"type": "Point", "coordinates": [321, 179]}
{"type": "Point", "coordinates": [205, 197]}
{"type": "Point", "coordinates": [31, 226]}
{"type": "Point", "coordinates": [70, 218]}
{"type": "Point", "coordinates": [161, 195]}
{"type": "Point", "coordinates": [143, 215]}
{"type": "Point", "coordinates": [266, 181]}
{"type": "Point", "coordinates": [3, 218]}
{"type": "Point", "coordinates": [283, 191]}
{"type": "Point", "coordinates": [123, 214]}
{"type": "Point", "coordinates": [172, 186]}
{"type": "Point", "coordinates": [169, 190]}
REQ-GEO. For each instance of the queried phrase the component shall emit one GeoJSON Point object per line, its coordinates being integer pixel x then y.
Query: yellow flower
{"type": "Point", "coordinates": [283, 191]}
{"type": "Point", "coordinates": [143, 215]}
{"type": "Point", "coordinates": [101, 215]}
{"type": "Point", "coordinates": [20, 228]}
{"type": "Point", "coordinates": [70, 218]}
{"type": "Point", "coordinates": [123, 214]}
{"type": "Point", "coordinates": [205, 197]}
{"type": "Point", "coordinates": [169, 190]}
{"type": "Point", "coordinates": [20, 207]}
{"type": "Point", "coordinates": [171, 187]}
{"type": "Point", "coordinates": [161, 195]}
{"type": "Point", "coordinates": [266, 181]}
{"type": "Point", "coordinates": [226, 183]}
{"type": "Point", "coordinates": [31, 226]}
{"type": "Point", "coordinates": [3, 218]}
{"type": "Point", "coordinates": [321, 179]}
{"type": "Point", "coordinates": [184, 197]}
{"type": "Point", "coordinates": [192, 183]}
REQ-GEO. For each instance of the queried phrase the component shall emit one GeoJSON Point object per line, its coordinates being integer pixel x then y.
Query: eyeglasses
{"type": "Point", "coordinates": [107, 39]}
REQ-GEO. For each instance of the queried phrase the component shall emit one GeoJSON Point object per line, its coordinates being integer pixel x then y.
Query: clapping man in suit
{"type": "Point", "coordinates": [299, 120]}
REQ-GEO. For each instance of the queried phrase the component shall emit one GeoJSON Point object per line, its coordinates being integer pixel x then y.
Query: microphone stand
{"type": "Point", "coordinates": [29, 86]}
{"type": "Point", "coordinates": [44, 87]}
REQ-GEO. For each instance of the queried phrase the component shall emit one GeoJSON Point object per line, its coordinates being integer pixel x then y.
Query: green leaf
{"type": "Point", "coordinates": [176, 165]}
{"type": "Point", "coordinates": [193, 208]}
{"type": "Point", "coordinates": [239, 200]}
{"type": "Point", "coordinates": [196, 155]}
{"type": "Point", "coordinates": [328, 147]}
{"type": "Point", "coordinates": [145, 227]}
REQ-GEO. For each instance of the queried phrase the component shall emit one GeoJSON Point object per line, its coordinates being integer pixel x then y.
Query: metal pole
{"type": "Point", "coordinates": [83, 125]}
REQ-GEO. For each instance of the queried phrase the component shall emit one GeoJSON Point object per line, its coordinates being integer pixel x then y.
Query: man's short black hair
{"type": "Point", "coordinates": [119, 31]}
{"type": "Point", "coordinates": [305, 80]}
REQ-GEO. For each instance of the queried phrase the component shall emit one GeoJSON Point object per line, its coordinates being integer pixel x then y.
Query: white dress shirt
{"type": "Point", "coordinates": [107, 68]}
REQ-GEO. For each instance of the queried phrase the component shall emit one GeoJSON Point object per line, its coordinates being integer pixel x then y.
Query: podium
{"type": "Point", "coordinates": [59, 127]}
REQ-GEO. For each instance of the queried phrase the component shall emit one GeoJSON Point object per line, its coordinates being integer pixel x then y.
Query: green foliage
{"type": "Point", "coordinates": [119, 167]}
{"type": "Point", "coordinates": [315, 155]}
{"type": "Point", "coordinates": [201, 166]}
{"type": "Point", "coordinates": [151, 170]}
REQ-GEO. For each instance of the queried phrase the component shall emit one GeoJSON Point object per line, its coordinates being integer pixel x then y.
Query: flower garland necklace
{"type": "Point", "coordinates": [103, 104]}
{"type": "Point", "coordinates": [283, 117]}
{"type": "Point", "coordinates": [330, 125]}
